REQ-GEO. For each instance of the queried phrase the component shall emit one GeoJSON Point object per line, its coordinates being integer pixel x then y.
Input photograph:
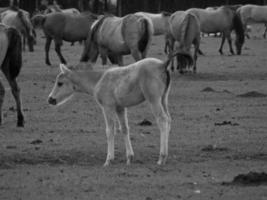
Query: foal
{"type": "Point", "coordinates": [118, 88]}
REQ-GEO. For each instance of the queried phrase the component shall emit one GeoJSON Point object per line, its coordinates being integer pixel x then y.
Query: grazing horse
{"type": "Point", "coordinates": [185, 29]}
{"type": "Point", "coordinates": [159, 21]}
{"type": "Point", "coordinates": [60, 26]}
{"type": "Point", "coordinates": [10, 64]}
{"type": "Point", "coordinates": [116, 36]}
{"type": "Point", "coordinates": [224, 20]}
{"type": "Point", "coordinates": [253, 14]}
{"type": "Point", "coordinates": [115, 90]}
{"type": "Point", "coordinates": [20, 19]}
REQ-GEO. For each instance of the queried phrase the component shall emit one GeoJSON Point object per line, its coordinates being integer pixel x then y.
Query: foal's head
{"type": "Point", "coordinates": [64, 87]}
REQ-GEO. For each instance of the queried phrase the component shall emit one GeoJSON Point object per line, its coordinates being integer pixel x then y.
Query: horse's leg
{"type": "Point", "coordinates": [47, 47]}
{"type": "Point", "coordinates": [229, 39]}
{"type": "Point", "coordinates": [163, 124]}
{"type": "Point", "coordinates": [122, 116]}
{"type": "Point", "coordinates": [110, 133]}
{"type": "Point", "coordinates": [222, 43]}
{"type": "Point", "coordinates": [196, 43]}
{"type": "Point", "coordinates": [120, 60]}
{"type": "Point", "coordinates": [16, 93]}
{"type": "Point", "coordinates": [23, 42]}
{"type": "Point", "coordinates": [265, 31]}
{"type": "Point", "coordinates": [58, 44]}
{"type": "Point", "coordinates": [2, 96]}
{"type": "Point", "coordinates": [137, 55]}
{"type": "Point", "coordinates": [103, 54]}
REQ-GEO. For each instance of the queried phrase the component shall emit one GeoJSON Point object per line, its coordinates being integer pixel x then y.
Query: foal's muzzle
{"type": "Point", "coordinates": [52, 101]}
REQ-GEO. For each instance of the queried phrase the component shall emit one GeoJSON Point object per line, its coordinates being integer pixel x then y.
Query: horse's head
{"type": "Point", "coordinates": [64, 87]}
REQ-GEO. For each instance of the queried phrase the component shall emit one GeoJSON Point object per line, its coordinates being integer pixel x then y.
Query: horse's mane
{"type": "Point", "coordinates": [89, 14]}
{"type": "Point", "coordinates": [166, 14]}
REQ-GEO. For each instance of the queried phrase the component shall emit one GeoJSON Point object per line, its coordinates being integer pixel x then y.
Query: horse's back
{"type": "Point", "coordinates": [253, 13]}
{"type": "Point", "coordinates": [212, 21]}
{"type": "Point", "coordinates": [70, 27]}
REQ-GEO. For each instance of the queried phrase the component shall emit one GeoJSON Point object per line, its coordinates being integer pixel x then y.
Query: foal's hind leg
{"type": "Point", "coordinates": [162, 120]}
{"type": "Point", "coordinates": [109, 116]}
{"type": "Point", "coordinates": [58, 44]}
{"type": "Point", "coordinates": [16, 93]}
{"type": "Point", "coordinates": [2, 96]}
{"type": "Point", "coordinates": [122, 116]}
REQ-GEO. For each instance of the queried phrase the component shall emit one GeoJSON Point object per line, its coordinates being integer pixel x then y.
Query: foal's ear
{"type": "Point", "coordinates": [64, 69]}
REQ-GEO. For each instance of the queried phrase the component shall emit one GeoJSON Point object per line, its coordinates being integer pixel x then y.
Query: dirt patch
{"type": "Point", "coordinates": [225, 123]}
{"type": "Point", "coordinates": [145, 122]}
{"type": "Point", "coordinates": [252, 94]}
{"type": "Point", "coordinates": [214, 148]}
{"type": "Point", "coordinates": [249, 179]}
{"type": "Point", "coordinates": [208, 89]}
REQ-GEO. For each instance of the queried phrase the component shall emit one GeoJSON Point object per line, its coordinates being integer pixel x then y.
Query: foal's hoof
{"type": "Point", "coordinates": [129, 159]}
{"type": "Point", "coordinates": [162, 160]}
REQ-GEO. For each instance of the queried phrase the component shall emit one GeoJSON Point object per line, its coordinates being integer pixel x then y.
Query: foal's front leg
{"type": "Point", "coordinates": [109, 117]}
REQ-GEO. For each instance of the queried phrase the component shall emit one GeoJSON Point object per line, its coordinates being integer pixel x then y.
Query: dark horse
{"type": "Point", "coordinates": [61, 26]}
{"type": "Point", "coordinates": [10, 63]}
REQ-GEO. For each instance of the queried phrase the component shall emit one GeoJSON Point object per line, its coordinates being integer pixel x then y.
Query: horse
{"type": "Point", "coordinates": [116, 36]}
{"type": "Point", "coordinates": [10, 64]}
{"type": "Point", "coordinates": [159, 21]}
{"type": "Point", "coordinates": [252, 14]}
{"type": "Point", "coordinates": [20, 19]}
{"type": "Point", "coordinates": [60, 26]}
{"type": "Point", "coordinates": [118, 88]}
{"type": "Point", "coordinates": [185, 29]}
{"type": "Point", "coordinates": [53, 9]}
{"type": "Point", "coordinates": [222, 19]}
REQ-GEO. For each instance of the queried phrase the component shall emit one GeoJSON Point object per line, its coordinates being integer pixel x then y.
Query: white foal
{"type": "Point", "coordinates": [118, 88]}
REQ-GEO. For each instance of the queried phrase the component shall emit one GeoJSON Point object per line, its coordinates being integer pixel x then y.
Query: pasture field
{"type": "Point", "coordinates": [218, 131]}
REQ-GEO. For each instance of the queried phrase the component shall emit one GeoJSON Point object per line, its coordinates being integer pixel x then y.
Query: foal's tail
{"type": "Point", "coordinates": [146, 36]}
{"type": "Point", "coordinates": [14, 52]}
{"type": "Point", "coordinates": [38, 20]}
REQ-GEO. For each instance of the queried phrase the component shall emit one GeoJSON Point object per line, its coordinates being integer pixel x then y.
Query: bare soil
{"type": "Point", "coordinates": [216, 134]}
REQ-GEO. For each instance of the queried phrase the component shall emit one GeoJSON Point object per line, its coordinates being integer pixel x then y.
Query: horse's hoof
{"type": "Point", "coordinates": [162, 160]}
{"type": "Point", "coordinates": [48, 63]}
{"type": "Point", "coordinates": [20, 124]}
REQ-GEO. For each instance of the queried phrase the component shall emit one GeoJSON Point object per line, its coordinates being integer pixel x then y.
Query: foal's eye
{"type": "Point", "coordinates": [59, 84]}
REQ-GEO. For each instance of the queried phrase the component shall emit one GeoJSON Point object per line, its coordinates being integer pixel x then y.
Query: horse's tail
{"type": "Point", "coordinates": [145, 39]}
{"type": "Point", "coordinates": [38, 20]}
{"type": "Point", "coordinates": [239, 27]}
{"type": "Point", "coordinates": [184, 58]}
{"type": "Point", "coordinates": [14, 52]}
{"type": "Point", "coordinates": [91, 38]}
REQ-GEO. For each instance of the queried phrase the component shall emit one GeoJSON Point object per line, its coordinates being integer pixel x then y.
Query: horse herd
{"type": "Point", "coordinates": [111, 37]}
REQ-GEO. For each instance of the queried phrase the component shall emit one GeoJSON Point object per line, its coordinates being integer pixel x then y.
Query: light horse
{"type": "Point", "coordinates": [20, 19]}
{"type": "Point", "coordinates": [10, 64]}
{"type": "Point", "coordinates": [184, 28]}
{"type": "Point", "coordinates": [60, 26]}
{"type": "Point", "coordinates": [114, 37]}
{"type": "Point", "coordinates": [115, 90]}
{"type": "Point", "coordinates": [159, 21]}
{"type": "Point", "coordinates": [224, 20]}
{"type": "Point", "coordinates": [253, 14]}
